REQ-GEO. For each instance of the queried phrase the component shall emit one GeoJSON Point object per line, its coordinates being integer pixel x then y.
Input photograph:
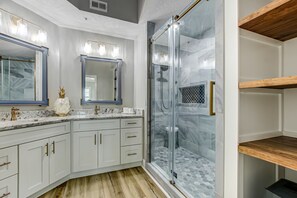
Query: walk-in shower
{"type": "Point", "coordinates": [182, 118]}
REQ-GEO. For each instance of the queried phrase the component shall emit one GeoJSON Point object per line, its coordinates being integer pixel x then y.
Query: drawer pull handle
{"type": "Point", "coordinates": [46, 149]}
{"type": "Point", "coordinates": [130, 154]}
{"type": "Point", "coordinates": [95, 139]}
{"type": "Point", "coordinates": [132, 136]}
{"type": "Point", "coordinates": [5, 195]}
{"type": "Point", "coordinates": [54, 147]}
{"type": "Point", "coordinates": [132, 123]}
{"type": "Point", "coordinates": [5, 164]}
{"type": "Point", "coordinates": [100, 138]}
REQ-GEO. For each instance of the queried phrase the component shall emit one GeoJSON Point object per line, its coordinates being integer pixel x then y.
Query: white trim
{"type": "Point", "coordinates": [290, 134]}
{"type": "Point", "coordinates": [259, 136]}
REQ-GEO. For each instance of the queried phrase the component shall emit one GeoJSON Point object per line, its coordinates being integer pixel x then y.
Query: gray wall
{"type": "Point", "coordinates": [64, 69]}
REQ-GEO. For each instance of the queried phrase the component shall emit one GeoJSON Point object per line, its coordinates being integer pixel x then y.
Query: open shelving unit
{"type": "Point", "coordinates": [280, 150]}
{"type": "Point", "coordinates": [277, 20]}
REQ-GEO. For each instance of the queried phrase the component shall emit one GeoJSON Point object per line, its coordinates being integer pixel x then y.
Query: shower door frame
{"type": "Point", "coordinates": [173, 190]}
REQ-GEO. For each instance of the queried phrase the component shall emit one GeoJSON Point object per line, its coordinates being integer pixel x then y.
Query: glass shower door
{"type": "Point", "coordinates": [161, 102]}
{"type": "Point", "coordinates": [194, 119]}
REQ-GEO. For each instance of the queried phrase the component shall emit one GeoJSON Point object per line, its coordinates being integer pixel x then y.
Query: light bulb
{"type": "Point", "coordinates": [165, 58]}
{"type": "Point", "coordinates": [0, 18]}
{"type": "Point", "coordinates": [22, 28]}
{"type": "Point", "coordinates": [156, 58]}
{"type": "Point", "coordinates": [13, 29]}
{"type": "Point", "coordinates": [34, 37]}
{"type": "Point", "coordinates": [42, 36]}
{"type": "Point", "coordinates": [102, 50]}
{"type": "Point", "coordinates": [115, 52]}
{"type": "Point", "coordinates": [88, 47]}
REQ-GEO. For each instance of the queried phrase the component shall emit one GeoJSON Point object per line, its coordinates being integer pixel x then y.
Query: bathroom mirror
{"type": "Point", "coordinates": [101, 80]}
{"type": "Point", "coordinates": [23, 72]}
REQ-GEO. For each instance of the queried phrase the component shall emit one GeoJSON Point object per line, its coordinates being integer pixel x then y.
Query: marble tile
{"type": "Point", "coordinates": [195, 174]}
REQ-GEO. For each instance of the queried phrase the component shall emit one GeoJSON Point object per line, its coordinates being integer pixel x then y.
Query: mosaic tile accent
{"type": "Point", "coordinates": [195, 174]}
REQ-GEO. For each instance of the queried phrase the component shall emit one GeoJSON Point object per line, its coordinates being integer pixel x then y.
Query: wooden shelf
{"type": "Point", "coordinates": [277, 20]}
{"type": "Point", "coordinates": [280, 150]}
{"type": "Point", "coordinates": [272, 83]}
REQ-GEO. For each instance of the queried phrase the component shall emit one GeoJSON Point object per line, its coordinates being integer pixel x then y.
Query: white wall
{"type": "Point", "coordinates": [64, 68]}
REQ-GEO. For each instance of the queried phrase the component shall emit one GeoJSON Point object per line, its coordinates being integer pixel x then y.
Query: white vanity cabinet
{"type": "Point", "coordinates": [85, 151]}
{"type": "Point", "coordinates": [34, 167]}
{"type": "Point", "coordinates": [8, 187]}
{"type": "Point", "coordinates": [96, 144]}
{"type": "Point", "coordinates": [109, 148]}
{"type": "Point", "coordinates": [43, 162]}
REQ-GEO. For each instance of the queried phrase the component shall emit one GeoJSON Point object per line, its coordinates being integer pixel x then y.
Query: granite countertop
{"type": "Point", "coordinates": [23, 123]}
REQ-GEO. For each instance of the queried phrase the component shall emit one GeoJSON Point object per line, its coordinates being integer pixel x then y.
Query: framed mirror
{"type": "Point", "coordinates": [23, 72]}
{"type": "Point", "coordinates": [101, 80]}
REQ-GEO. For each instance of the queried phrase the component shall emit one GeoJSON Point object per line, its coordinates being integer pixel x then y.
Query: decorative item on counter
{"type": "Point", "coordinates": [62, 104]}
{"type": "Point", "coordinates": [128, 110]}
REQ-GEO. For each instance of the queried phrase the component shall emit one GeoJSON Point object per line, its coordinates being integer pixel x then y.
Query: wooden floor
{"type": "Point", "coordinates": [128, 183]}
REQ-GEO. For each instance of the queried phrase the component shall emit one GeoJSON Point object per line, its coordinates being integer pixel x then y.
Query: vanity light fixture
{"type": "Point", "coordinates": [102, 50]}
{"type": "Point", "coordinates": [22, 27]}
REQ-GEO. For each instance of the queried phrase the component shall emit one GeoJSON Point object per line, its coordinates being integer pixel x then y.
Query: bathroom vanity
{"type": "Point", "coordinates": [37, 156]}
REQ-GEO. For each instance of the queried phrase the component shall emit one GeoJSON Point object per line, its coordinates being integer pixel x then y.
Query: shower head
{"type": "Point", "coordinates": [164, 67]}
{"type": "Point", "coordinates": [161, 79]}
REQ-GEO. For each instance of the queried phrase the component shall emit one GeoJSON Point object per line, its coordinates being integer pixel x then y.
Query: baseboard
{"type": "Point", "coordinates": [50, 187]}
{"type": "Point", "coordinates": [259, 136]}
{"type": "Point", "coordinates": [104, 170]}
{"type": "Point", "coordinates": [290, 134]}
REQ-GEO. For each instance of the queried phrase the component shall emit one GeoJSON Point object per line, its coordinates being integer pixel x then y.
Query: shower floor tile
{"type": "Point", "coordinates": [195, 174]}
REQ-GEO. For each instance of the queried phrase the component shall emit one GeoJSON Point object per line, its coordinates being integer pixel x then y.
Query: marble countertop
{"type": "Point", "coordinates": [23, 123]}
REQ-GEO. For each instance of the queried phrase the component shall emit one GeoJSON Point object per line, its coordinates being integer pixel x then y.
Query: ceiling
{"type": "Point", "coordinates": [65, 14]}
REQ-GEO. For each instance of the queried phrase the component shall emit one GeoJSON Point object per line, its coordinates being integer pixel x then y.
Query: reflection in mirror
{"type": "Point", "coordinates": [22, 72]}
{"type": "Point", "coordinates": [101, 80]}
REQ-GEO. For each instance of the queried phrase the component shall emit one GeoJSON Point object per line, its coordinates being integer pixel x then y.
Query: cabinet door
{"type": "Point", "coordinates": [85, 151]}
{"type": "Point", "coordinates": [59, 157]}
{"type": "Point", "coordinates": [109, 148]}
{"type": "Point", "coordinates": [9, 187]}
{"type": "Point", "coordinates": [33, 167]}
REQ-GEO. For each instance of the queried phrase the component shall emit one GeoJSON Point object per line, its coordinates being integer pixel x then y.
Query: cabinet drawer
{"type": "Point", "coordinates": [95, 125]}
{"type": "Point", "coordinates": [130, 154]}
{"type": "Point", "coordinates": [8, 187]}
{"type": "Point", "coordinates": [131, 123]}
{"type": "Point", "coordinates": [131, 136]}
{"type": "Point", "coordinates": [8, 162]}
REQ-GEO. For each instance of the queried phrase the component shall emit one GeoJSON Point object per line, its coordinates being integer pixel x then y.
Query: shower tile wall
{"type": "Point", "coordinates": [196, 127]}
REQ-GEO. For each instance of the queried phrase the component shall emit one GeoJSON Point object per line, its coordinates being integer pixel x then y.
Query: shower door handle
{"type": "Point", "coordinates": [212, 98]}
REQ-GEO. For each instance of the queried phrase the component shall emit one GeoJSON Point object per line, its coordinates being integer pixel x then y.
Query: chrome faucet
{"type": "Point", "coordinates": [14, 112]}
{"type": "Point", "coordinates": [97, 109]}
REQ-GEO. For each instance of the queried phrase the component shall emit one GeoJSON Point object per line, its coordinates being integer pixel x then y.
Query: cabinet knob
{"type": "Point", "coordinates": [5, 195]}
